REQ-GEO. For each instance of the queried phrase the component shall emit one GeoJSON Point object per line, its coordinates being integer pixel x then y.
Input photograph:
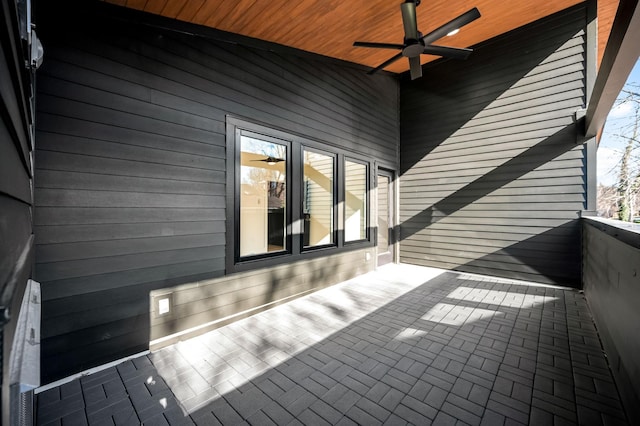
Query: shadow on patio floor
{"type": "Point", "coordinates": [402, 345]}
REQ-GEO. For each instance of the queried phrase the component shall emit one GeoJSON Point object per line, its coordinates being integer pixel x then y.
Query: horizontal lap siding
{"type": "Point", "coordinates": [492, 179]}
{"type": "Point", "coordinates": [130, 173]}
{"type": "Point", "coordinates": [16, 201]}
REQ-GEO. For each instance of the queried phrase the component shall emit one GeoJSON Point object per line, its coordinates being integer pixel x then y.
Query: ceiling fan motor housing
{"type": "Point", "coordinates": [412, 48]}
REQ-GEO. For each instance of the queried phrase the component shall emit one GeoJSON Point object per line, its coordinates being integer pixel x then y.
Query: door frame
{"type": "Point", "coordinates": [390, 256]}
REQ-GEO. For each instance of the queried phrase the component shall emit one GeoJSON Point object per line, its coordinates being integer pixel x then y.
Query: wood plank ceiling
{"type": "Point", "coordinates": [329, 27]}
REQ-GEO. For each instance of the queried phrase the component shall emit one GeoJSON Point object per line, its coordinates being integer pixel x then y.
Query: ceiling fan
{"type": "Point", "coordinates": [416, 44]}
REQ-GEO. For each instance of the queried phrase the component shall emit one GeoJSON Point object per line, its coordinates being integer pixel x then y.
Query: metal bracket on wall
{"type": "Point", "coordinates": [579, 119]}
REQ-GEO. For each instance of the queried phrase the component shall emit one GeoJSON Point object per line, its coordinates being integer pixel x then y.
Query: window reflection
{"type": "Point", "coordinates": [263, 196]}
{"type": "Point", "coordinates": [355, 226]}
{"type": "Point", "coordinates": [318, 199]}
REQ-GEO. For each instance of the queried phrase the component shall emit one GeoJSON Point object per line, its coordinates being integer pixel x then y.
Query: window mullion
{"type": "Point", "coordinates": [295, 225]}
{"type": "Point", "coordinates": [356, 202]}
{"type": "Point", "coordinates": [340, 200]}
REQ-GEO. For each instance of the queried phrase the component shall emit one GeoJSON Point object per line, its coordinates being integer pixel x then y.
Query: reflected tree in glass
{"type": "Point", "coordinates": [263, 196]}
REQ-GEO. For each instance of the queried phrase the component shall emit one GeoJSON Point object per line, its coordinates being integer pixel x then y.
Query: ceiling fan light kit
{"type": "Point", "coordinates": [270, 160]}
{"type": "Point", "coordinates": [416, 44]}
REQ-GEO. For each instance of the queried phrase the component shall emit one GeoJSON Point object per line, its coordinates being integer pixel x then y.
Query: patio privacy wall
{"type": "Point", "coordinates": [492, 180]}
{"type": "Point", "coordinates": [611, 271]}
{"type": "Point", "coordinates": [16, 201]}
{"type": "Point", "coordinates": [130, 172]}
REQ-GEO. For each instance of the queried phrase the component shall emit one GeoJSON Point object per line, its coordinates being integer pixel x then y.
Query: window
{"type": "Point", "coordinates": [289, 197]}
{"type": "Point", "coordinates": [263, 196]}
{"type": "Point", "coordinates": [318, 200]}
{"type": "Point", "coordinates": [355, 203]}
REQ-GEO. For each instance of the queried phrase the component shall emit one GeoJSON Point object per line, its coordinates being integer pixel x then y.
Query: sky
{"type": "Point", "coordinates": [611, 147]}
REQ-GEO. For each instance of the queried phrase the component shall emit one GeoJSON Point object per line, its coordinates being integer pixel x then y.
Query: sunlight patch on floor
{"type": "Point", "coordinates": [450, 314]}
{"type": "Point", "coordinates": [500, 298]}
{"type": "Point", "coordinates": [203, 368]}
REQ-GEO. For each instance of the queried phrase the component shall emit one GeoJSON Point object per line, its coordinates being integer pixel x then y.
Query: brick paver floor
{"type": "Point", "coordinates": [402, 345]}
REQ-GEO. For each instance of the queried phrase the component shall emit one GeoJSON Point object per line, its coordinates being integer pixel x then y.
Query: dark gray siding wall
{"type": "Point", "coordinates": [492, 179]}
{"type": "Point", "coordinates": [16, 240]}
{"type": "Point", "coordinates": [130, 172]}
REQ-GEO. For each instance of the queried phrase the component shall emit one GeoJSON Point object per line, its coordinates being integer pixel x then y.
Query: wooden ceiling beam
{"type": "Point", "coordinates": [620, 55]}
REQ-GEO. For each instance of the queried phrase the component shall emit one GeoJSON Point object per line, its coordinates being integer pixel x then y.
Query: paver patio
{"type": "Point", "coordinates": [402, 345]}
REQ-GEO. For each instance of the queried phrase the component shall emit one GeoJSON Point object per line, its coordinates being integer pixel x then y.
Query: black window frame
{"type": "Point", "coordinates": [368, 186]}
{"type": "Point", "coordinates": [296, 145]}
{"type": "Point", "coordinates": [336, 201]}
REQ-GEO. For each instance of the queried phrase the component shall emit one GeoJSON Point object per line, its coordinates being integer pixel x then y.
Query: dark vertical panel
{"type": "Point", "coordinates": [492, 179]}
{"type": "Point", "coordinates": [130, 167]}
{"type": "Point", "coordinates": [16, 241]}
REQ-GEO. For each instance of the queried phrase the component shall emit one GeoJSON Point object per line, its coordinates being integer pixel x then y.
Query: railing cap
{"type": "Point", "coordinates": [626, 232]}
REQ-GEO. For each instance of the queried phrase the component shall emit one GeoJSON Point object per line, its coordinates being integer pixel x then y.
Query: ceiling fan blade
{"type": "Point", "coordinates": [415, 67]}
{"type": "Point", "coordinates": [409, 20]}
{"type": "Point", "coordinates": [454, 24]}
{"type": "Point", "coordinates": [385, 63]}
{"type": "Point", "coordinates": [447, 52]}
{"type": "Point", "coordinates": [378, 45]}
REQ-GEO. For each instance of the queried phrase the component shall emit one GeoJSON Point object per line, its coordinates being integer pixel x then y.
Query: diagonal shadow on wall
{"type": "Point", "coordinates": [452, 93]}
{"type": "Point", "coordinates": [522, 259]}
{"type": "Point", "coordinates": [525, 259]}
{"type": "Point", "coordinates": [491, 160]}
{"type": "Point", "coordinates": [532, 158]}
